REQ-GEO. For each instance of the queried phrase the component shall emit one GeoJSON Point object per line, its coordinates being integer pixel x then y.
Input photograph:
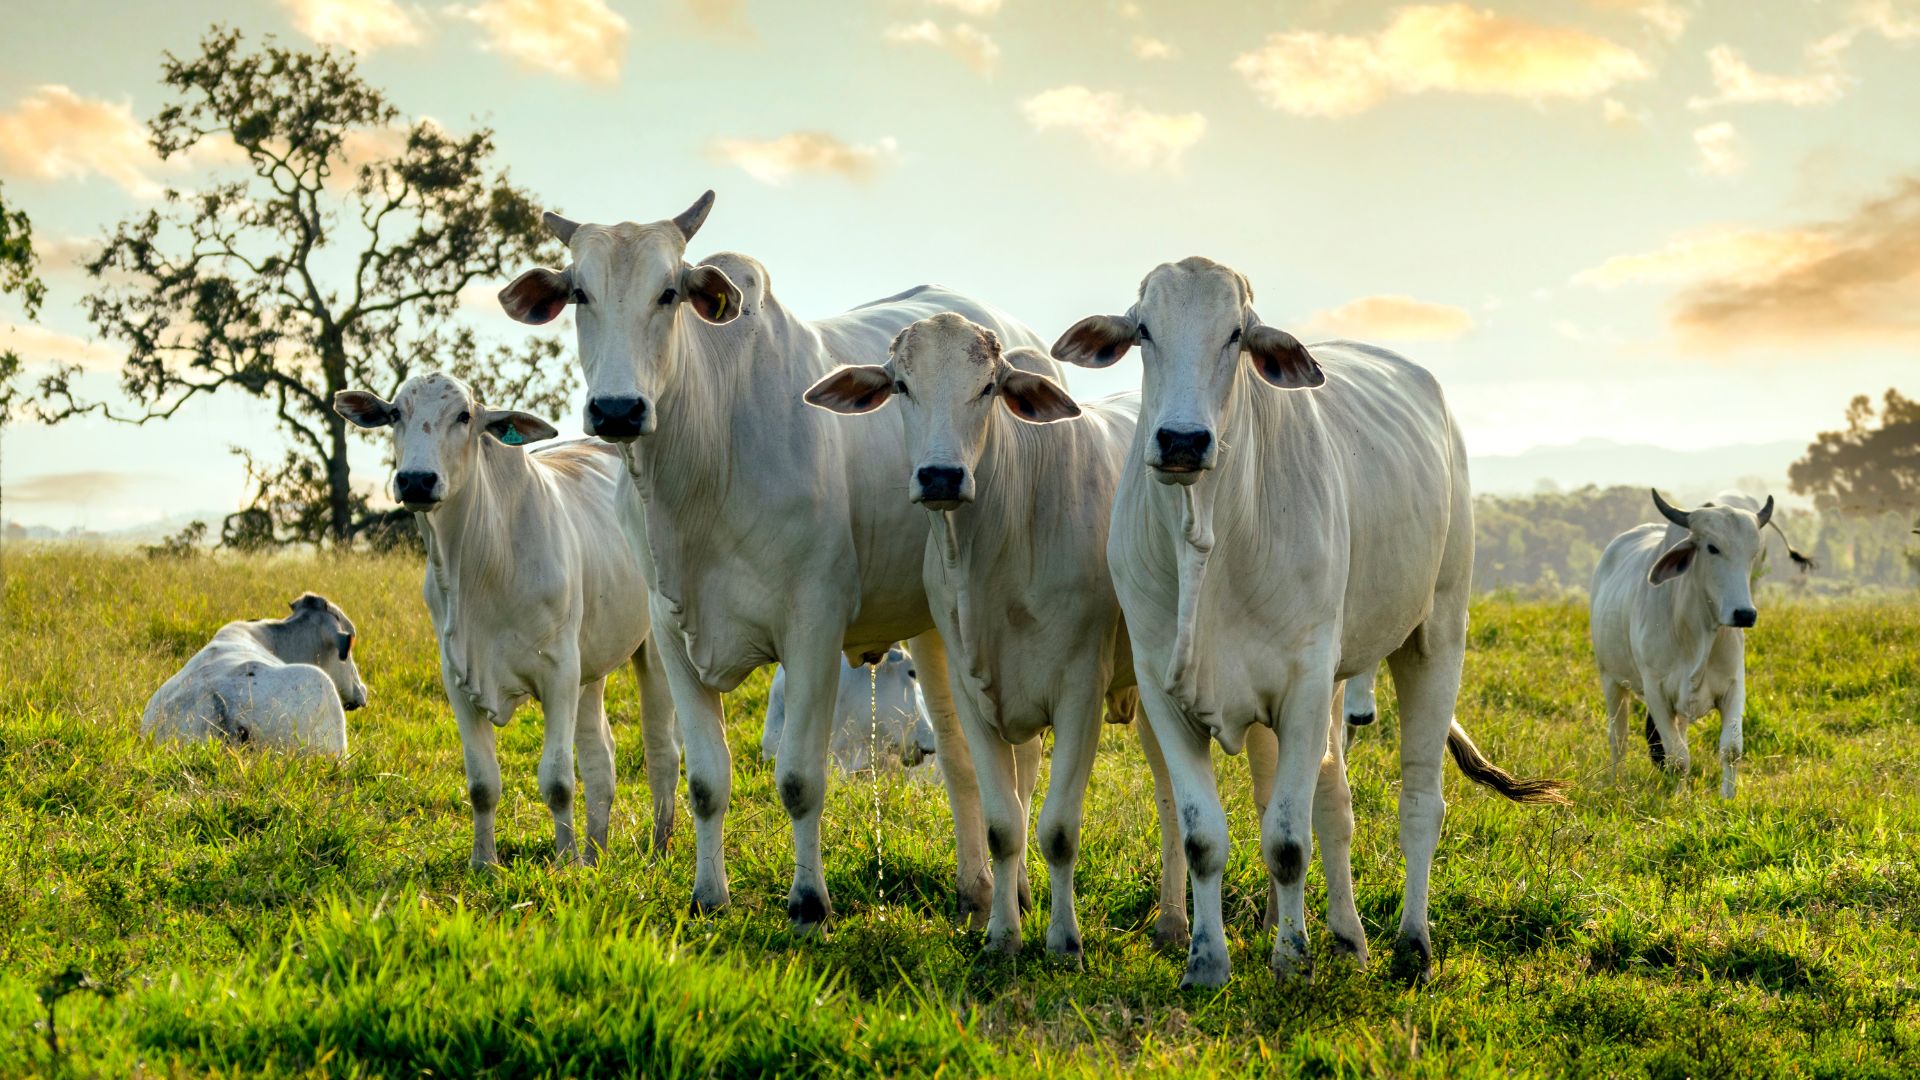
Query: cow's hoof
{"type": "Point", "coordinates": [1412, 960]}
{"type": "Point", "coordinates": [1066, 951]}
{"type": "Point", "coordinates": [974, 905]}
{"type": "Point", "coordinates": [708, 901]}
{"type": "Point", "coordinates": [1350, 949]}
{"type": "Point", "coordinates": [1291, 960]}
{"type": "Point", "coordinates": [1170, 934]}
{"type": "Point", "coordinates": [806, 910]}
{"type": "Point", "coordinates": [1207, 966]}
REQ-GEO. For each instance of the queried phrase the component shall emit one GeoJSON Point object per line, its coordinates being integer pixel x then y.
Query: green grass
{"type": "Point", "coordinates": [227, 912]}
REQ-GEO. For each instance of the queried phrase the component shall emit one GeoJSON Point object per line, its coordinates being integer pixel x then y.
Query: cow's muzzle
{"type": "Point", "coordinates": [942, 487]}
{"type": "Point", "coordinates": [1743, 618]}
{"type": "Point", "coordinates": [417, 490]}
{"type": "Point", "coordinates": [1180, 454]}
{"type": "Point", "coordinates": [619, 419]}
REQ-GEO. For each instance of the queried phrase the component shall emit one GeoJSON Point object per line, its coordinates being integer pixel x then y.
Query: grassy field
{"type": "Point", "coordinates": [201, 910]}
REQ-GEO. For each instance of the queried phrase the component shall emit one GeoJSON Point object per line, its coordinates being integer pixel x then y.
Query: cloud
{"type": "Point", "coordinates": [574, 39]}
{"type": "Point", "coordinates": [974, 48]}
{"type": "Point", "coordinates": [720, 16]}
{"type": "Point", "coordinates": [1133, 136]}
{"type": "Point", "coordinates": [1854, 280]}
{"type": "Point", "coordinates": [1391, 318]}
{"type": "Point", "coordinates": [360, 25]}
{"type": "Point", "coordinates": [1148, 47]}
{"type": "Point", "coordinates": [1721, 151]}
{"type": "Point", "coordinates": [38, 345]}
{"type": "Point", "coordinates": [55, 134]}
{"type": "Point", "coordinates": [1450, 48]}
{"type": "Point", "coordinates": [1617, 114]}
{"type": "Point", "coordinates": [1735, 82]}
{"type": "Point", "coordinates": [1667, 18]}
{"type": "Point", "coordinates": [799, 153]}
{"type": "Point", "coordinates": [74, 488]}
{"type": "Point", "coordinates": [978, 9]}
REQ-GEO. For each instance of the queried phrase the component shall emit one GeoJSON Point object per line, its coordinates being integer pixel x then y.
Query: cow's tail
{"type": "Point", "coordinates": [1803, 561]}
{"type": "Point", "coordinates": [1481, 771]}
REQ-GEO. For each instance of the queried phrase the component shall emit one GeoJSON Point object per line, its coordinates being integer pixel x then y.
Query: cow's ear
{"type": "Point", "coordinates": [537, 296]}
{"type": "Point", "coordinates": [1672, 564]}
{"type": "Point", "coordinates": [516, 428]}
{"type": "Point", "coordinates": [1096, 341]}
{"type": "Point", "coordinates": [1281, 360]}
{"type": "Point", "coordinates": [712, 293]}
{"type": "Point", "coordinates": [365, 408]}
{"type": "Point", "coordinates": [852, 390]}
{"type": "Point", "coordinates": [308, 602]}
{"type": "Point", "coordinates": [1036, 398]}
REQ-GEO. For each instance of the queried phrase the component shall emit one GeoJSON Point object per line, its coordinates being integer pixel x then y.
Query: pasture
{"type": "Point", "coordinates": [201, 910]}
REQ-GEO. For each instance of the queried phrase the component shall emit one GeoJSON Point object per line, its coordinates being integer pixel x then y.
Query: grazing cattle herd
{"type": "Point", "coordinates": [1226, 556]}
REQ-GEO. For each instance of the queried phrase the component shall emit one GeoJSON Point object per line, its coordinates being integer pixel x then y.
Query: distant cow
{"type": "Point", "coordinates": [1016, 572]}
{"type": "Point", "coordinates": [527, 596]}
{"type": "Point", "coordinates": [880, 709]}
{"type": "Point", "coordinates": [1670, 606]}
{"type": "Point", "coordinates": [1289, 517]}
{"type": "Point", "coordinates": [285, 684]}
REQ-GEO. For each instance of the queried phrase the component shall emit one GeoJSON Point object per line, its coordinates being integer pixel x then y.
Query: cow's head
{"type": "Point", "coordinates": [320, 634]}
{"type": "Point", "coordinates": [1720, 551]}
{"type": "Point", "coordinates": [949, 373]}
{"type": "Point", "coordinates": [630, 286]}
{"type": "Point", "coordinates": [1197, 332]}
{"type": "Point", "coordinates": [437, 427]}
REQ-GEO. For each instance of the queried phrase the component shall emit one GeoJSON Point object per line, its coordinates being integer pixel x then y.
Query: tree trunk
{"type": "Point", "coordinates": [339, 494]}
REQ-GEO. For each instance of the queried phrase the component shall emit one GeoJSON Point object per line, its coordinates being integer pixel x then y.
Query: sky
{"type": "Point", "coordinates": [1682, 224]}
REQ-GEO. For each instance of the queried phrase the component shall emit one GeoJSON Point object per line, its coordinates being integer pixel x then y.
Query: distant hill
{"type": "Point", "coordinates": [1686, 473]}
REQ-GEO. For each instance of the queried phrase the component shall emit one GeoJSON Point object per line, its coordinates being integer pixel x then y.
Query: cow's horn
{"type": "Point", "coordinates": [1766, 512]}
{"type": "Point", "coordinates": [690, 219]}
{"type": "Point", "coordinates": [1678, 517]}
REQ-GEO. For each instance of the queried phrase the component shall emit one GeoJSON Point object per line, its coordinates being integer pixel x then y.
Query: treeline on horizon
{"type": "Point", "coordinates": [1547, 544]}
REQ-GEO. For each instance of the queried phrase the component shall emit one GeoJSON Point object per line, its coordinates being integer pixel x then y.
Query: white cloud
{"type": "Point", "coordinates": [1148, 47]}
{"type": "Point", "coordinates": [1135, 137]}
{"type": "Point", "coordinates": [1722, 152]}
{"type": "Point", "coordinates": [1735, 82]}
{"type": "Point", "coordinates": [36, 344]}
{"type": "Point", "coordinates": [1667, 18]}
{"type": "Point", "coordinates": [1616, 113]}
{"type": "Point", "coordinates": [1728, 254]}
{"type": "Point", "coordinates": [978, 9]}
{"type": "Point", "coordinates": [55, 134]}
{"type": "Point", "coordinates": [973, 47]}
{"type": "Point", "coordinates": [360, 25]}
{"type": "Point", "coordinates": [720, 16]}
{"type": "Point", "coordinates": [1391, 318]}
{"type": "Point", "coordinates": [775, 161]}
{"type": "Point", "coordinates": [574, 39]}
{"type": "Point", "coordinates": [1451, 48]}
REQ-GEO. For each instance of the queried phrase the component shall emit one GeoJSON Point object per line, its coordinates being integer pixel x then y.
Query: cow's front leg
{"type": "Point", "coordinates": [559, 707]}
{"type": "Point", "coordinates": [709, 767]}
{"type": "Point", "coordinates": [1333, 827]}
{"type": "Point", "coordinates": [483, 770]}
{"type": "Point", "coordinates": [1203, 831]}
{"type": "Point", "coordinates": [1005, 813]}
{"type": "Point", "coordinates": [1669, 728]}
{"type": "Point", "coordinates": [1733, 705]}
{"type": "Point", "coordinates": [1286, 827]}
{"type": "Point", "coordinates": [812, 665]}
{"type": "Point", "coordinates": [974, 881]}
{"type": "Point", "coordinates": [1076, 737]}
{"type": "Point", "coordinates": [660, 737]}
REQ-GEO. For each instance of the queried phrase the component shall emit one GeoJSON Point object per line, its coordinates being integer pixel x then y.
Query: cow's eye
{"type": "Point", "coordinates": [579, 296]}
{"type": "Point", "coordinates": [912, 674]}
{"type": "Point", "coordinates": [988, 392]}
{"type": "Point", "coordinates": [668, 297]}
{"type": "Point", "coordinates": [464, 417]}
{"type": "Point", "coordinates": [900, 388]}
{"type": "Point", "coordinates": [1711, 550]}
{"type": "Point", "coordinates": [1144, 336]}
{"type": "Point", "coordinates": [1235, 337]}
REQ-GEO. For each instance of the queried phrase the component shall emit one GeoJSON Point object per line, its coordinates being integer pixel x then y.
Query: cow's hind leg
{"type": "Point", "coordinates": [974, 880]}
{"type": "Point", "coordinates": [1333, 827]}
{"type": "Point", "coordinates": [1026, 766]}
{"type": "Point", "coordinates": [1170, 928]}
{"type": "Point", "coordinates": [594, 743]}
{"type": "Point", "coordinates": [1263, 757]}
{"type": "Point", "coordinates": [661, 739]}
{"type": "Point", "coordinates": [1428, 682]}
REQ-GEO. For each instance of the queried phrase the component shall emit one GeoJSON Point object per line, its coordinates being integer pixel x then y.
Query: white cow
{"type": "Point", "coordinates": [768, 531]}
{"type": "Point", "coordinates": [1016, 569]}
{"type": "Point", "coordinates": [527, 597]}
{"type": "Point", "coordinates": [1671, 604]}
{"type": "Point", "coordinates": [880, 709]}
{"type": "Point", "coordinates": [285, 684]}
{"type": "Point", "coordinates": [1288, 518]}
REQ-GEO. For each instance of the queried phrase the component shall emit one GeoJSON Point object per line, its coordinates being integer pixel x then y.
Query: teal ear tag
{"type": "Point", "coordinates": [512, 437]}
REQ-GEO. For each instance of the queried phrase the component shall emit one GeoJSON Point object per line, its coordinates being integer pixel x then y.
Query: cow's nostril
{"type": "Point", "coordinates": [415, 487]}
{"type": "Point", "coordinates": [940, 483]}
{"type": "Point", "coordinates": [616, 417]}
{"type": "Point", "coordinates": [1183, 449]}
{"type": "Point", "coordinates": [1745, 617]}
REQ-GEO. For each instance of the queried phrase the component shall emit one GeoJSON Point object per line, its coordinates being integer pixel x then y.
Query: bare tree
{"type": "Point", "coordinates": [337, 260]}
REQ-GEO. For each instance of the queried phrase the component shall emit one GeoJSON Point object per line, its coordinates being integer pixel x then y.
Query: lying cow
{"type": "Point", "coordinates": [285, 684]}
{"type": "Point", "coordinates": [880, 708]}
{"type": "Point", "coordinates": [1016, 572]}
{"type": "Point", "coordinates": [1671, 604]}
{"type": "Point", "coordinates": [769, 532]}
{"type": "Point", "coordinates": [527, 598]}
{"type": "Point", "coordinates": [1288, 518]}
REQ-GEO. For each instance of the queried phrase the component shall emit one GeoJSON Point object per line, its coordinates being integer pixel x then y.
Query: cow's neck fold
{"type": "Point", "coordinates": [469, 539]}
{"type": "Point", "coordinates": [1698, 624]}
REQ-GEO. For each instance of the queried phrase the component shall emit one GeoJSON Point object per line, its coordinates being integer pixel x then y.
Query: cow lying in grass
{"type": "Point", "coordinates": [1671, 604]}
{"type": "Point", "coordinates": [527, 596]}
{"type": "Point", "coordinates": [880, 710]}
{"type": "Point", "coordinates": [285, 684]}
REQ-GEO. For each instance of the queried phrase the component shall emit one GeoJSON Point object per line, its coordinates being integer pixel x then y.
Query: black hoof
{"type": "Point", "coordinates": [1412, 961]}
{"type": "Point", "coordinates": [807, 910]}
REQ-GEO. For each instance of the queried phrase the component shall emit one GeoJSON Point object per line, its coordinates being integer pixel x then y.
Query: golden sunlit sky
{"type": "Point", "coordinates": [1679, 224]}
